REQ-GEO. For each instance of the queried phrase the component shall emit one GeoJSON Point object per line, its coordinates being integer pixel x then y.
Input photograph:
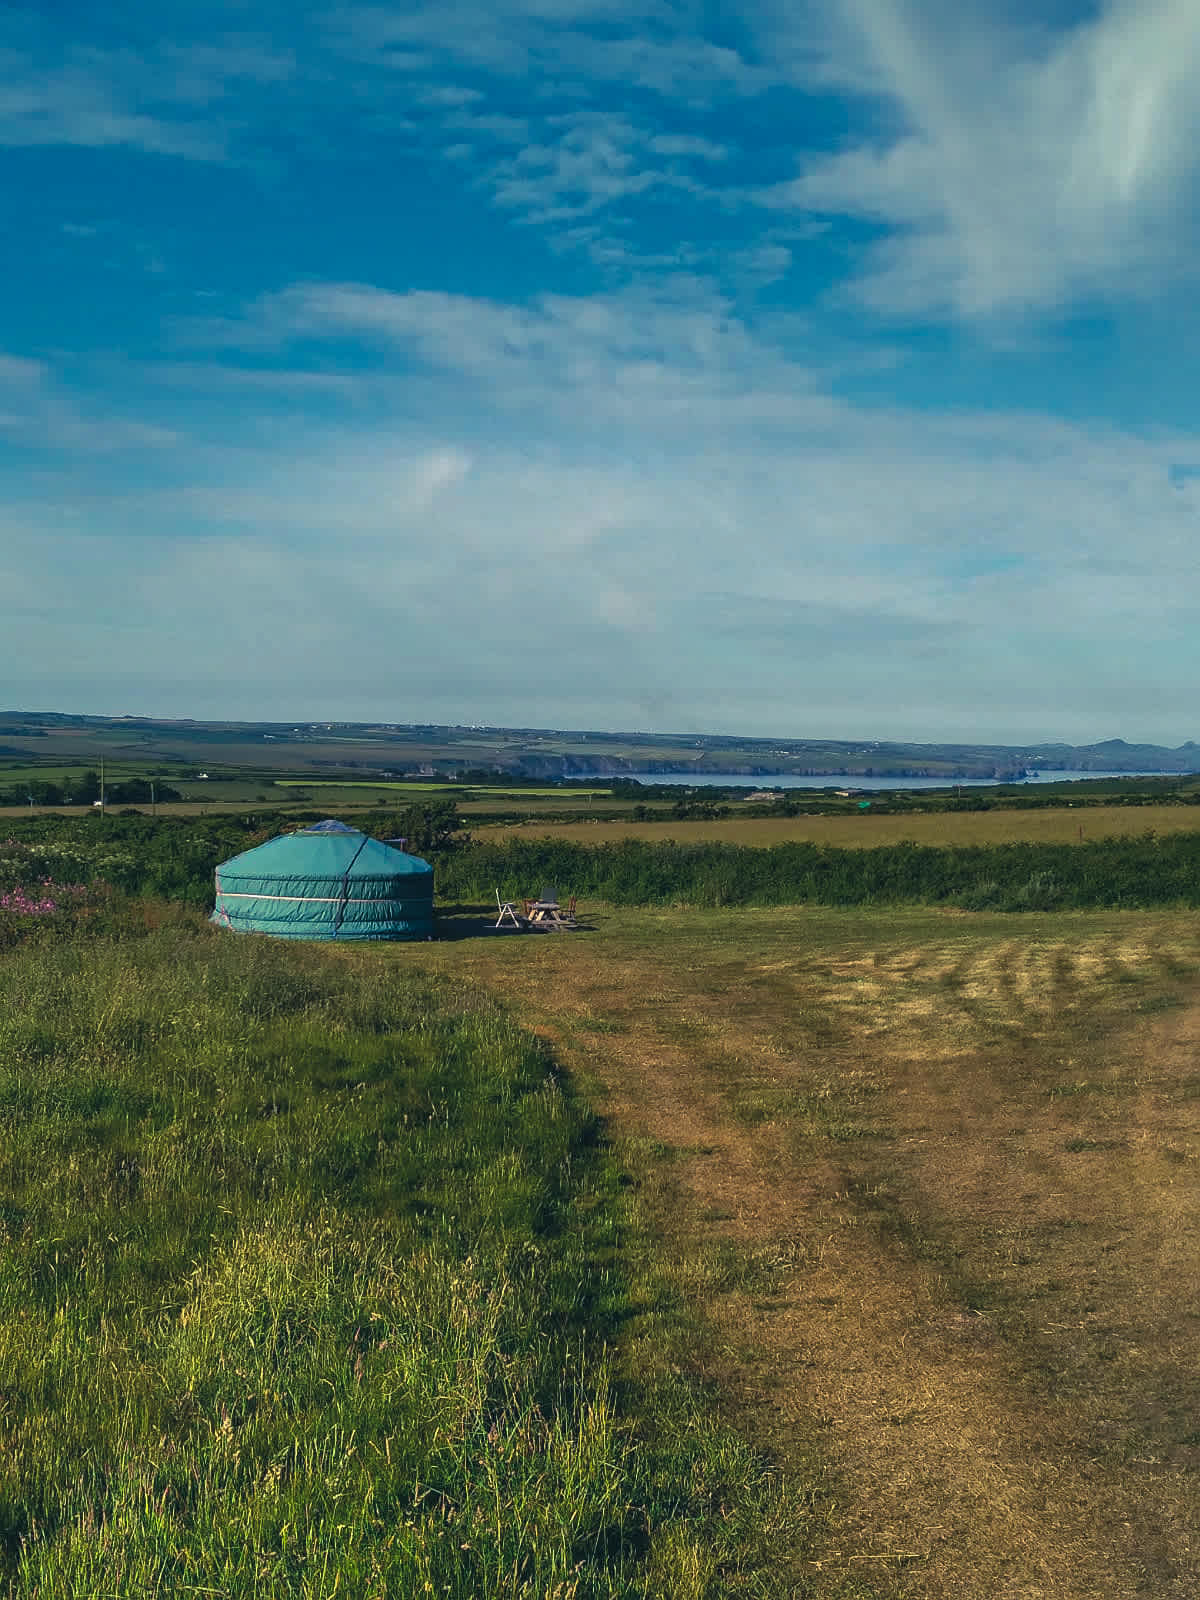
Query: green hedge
{"type": "Point", "coordinates": [174, 859]}
{"type": "Point", "coordinates": [1013, 877]}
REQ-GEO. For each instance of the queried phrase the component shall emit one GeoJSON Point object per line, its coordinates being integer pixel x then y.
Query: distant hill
{"type": "Point", "coordinates": [432, 749]}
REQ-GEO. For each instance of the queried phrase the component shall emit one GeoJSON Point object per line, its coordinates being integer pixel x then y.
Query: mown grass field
{"type": "Point", "coordinates": [933, 1180]}
{"type": "Point", "coordinates": [1065, 825]}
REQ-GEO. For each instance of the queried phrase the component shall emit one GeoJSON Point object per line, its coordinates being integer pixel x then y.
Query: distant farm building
{"type": "Point", "coordinates": [326, 882]}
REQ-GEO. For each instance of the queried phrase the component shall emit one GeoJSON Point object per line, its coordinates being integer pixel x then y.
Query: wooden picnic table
{"type": "Point", "coordinates": [548, 914]}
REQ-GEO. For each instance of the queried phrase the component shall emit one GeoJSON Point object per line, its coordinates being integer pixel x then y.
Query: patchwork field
{"type": "Point", "coordinates": [931, 1181]}
{"type": "Point", "coordinates": [1067, 825]}
{"type": "Point", "coordinates": [350, 786]}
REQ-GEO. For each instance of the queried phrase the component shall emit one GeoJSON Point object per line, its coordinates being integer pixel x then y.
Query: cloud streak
{"type": "Point", "coordinates": [1020, 168]}
{"type": "Point", "coordinates": [678, 356]}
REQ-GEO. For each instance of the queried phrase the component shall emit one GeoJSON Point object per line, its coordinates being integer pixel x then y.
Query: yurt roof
{"type": "Point", "coordinates": [326, 850]}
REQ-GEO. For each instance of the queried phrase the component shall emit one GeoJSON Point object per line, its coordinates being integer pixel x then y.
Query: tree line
{"type": "Point", "coordinates": [85, 790]}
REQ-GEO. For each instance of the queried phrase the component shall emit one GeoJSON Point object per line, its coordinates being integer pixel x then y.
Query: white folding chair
{"type": "Point", "coordinates": [508, 911]}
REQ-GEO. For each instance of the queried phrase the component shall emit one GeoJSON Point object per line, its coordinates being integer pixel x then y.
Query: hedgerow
{"type": "Point", "coordinates": [175, 858]}
{"type": "Point", "coordinates": [1135, 872]}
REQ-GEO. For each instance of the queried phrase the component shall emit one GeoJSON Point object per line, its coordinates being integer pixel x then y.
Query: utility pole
{"type": "Point", "coordinates": [101, 785]}
{"type": "Point", "coordinates": [153, 801]}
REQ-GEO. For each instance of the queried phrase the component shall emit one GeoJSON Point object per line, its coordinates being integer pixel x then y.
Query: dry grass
{"type": "Point", "coordinates": [1059, 826]}
{"type": "Point", "coordinates": [934, 1178]}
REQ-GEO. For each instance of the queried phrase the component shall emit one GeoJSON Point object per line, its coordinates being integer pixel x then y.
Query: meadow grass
{"type": "Point", "coordinates": [317, 1278]}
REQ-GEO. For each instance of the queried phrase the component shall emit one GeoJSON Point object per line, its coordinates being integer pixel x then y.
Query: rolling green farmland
{"type": "Point", "coordinates": [415, 786]}
{"type": "Point", "coordinates": [286, 749]}
{"type": "Point", "coordinates": [56, 772]}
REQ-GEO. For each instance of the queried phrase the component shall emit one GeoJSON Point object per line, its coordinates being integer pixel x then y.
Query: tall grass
{"type": "Point", "coordinates": [308, 1278]}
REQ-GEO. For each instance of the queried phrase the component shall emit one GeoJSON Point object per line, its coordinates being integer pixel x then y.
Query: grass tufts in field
{"type": "Point", "coordinates": [311, 1276]}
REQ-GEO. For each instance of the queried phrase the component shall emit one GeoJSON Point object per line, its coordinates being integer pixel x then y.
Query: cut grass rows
{"type": "Point", "coordinates": [933, 1178]}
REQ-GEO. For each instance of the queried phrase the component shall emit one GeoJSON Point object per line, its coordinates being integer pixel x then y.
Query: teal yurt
{"type": "Point", "coordinates": [326, 882]}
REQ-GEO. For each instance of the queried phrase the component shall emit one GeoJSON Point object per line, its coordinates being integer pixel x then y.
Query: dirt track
{"type": "Point", "coordinates": [986, 1331]}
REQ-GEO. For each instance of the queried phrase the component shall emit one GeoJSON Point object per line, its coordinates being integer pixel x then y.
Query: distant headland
{"type": "Point", "coordinates": [437, 750]}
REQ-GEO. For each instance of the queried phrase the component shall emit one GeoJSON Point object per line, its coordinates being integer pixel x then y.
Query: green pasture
{"type": "Point", "coordinates": [226, 788]}
{"type": "Point", "coordinates": [450, 789]}
{"type": "Point", "coordinates": [61, 772]}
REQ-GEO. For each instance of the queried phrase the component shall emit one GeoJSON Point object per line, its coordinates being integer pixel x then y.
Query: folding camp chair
{"type": "Point", "coordinates": [509, 912]}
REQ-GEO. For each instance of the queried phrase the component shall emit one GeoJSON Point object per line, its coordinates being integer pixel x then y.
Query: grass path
{"type": "Point", "coordinates": [933, 1178]}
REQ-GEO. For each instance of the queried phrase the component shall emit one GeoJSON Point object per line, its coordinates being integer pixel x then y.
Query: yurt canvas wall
{"type": "Point", "coordinates": [326, 882]}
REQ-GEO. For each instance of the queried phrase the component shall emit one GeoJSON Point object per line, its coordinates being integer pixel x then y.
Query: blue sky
{"type": "Point", "coordinates": [813, 369]}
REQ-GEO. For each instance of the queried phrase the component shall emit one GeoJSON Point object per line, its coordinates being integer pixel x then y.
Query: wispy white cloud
{"type": "Point", "coordinates": [204, 71]}
{"type": "Point", "coordinates": [710, 538]}
{"type": "Point", "coordinates": [20, 370]}
{"type": "Point", "coordinates": [1012, 163]}
{"type": "Point", "coordinates": [37, 410]}
{"type": "Point", "coordinates": [77, 106]}
{"type": "Point", "coordinates": [174, 92]}
{"type": "Point", "coordinates": [676, 144]}
{"type": "Point", "coordinates": [676, 354]}
{"type": "Point", "coordinates": [585, 176]}
{"type": "Point", "coordinates": [646, 44]}
{"type": "Point", "coordinates": [293, 382]}
{"type": "Point", "coordinates": [592, 163]}
{"type": "Point", "coordinates": [450, 95]}
{"type": "Point", "coordinates": [458, 80]}
{"type": "Point", "coordinates": [1023, 167]}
